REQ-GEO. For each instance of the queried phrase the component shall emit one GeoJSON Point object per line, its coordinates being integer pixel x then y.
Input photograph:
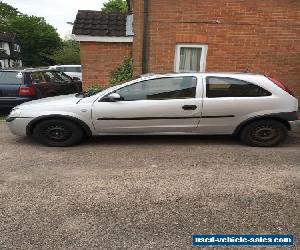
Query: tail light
{"type": "Point", "coordinates": [26, 91]}
{"type": "Point", "coordinates": [281, 85]}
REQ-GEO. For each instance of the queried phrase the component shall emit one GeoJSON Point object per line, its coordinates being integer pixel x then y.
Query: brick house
{"type": "Point", "coordinates": [192, 35]}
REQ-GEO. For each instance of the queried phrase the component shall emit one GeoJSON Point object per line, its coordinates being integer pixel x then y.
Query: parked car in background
{"type": "Point", "coordinates": [70, 70]}
{"type": "Point", "coordinates": [258, 109]}
{"type": "Point", "coordinates": [18, 86]}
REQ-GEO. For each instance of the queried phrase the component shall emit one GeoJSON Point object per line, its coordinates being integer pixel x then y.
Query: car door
{"type": "Point", "coordinates": [229, 101]}
{"type": "Point", "coordinates": [48, 83]}
{"type": "Point", "coordinates": [166, 104]}
{"type": "Point", "coordinates": [40, 84]}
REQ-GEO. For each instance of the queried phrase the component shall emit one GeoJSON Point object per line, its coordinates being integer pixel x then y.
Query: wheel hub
{"type": "Point", "coordinates": [264, 133]}
{"type": "Point", "coordinates": [58, 132]}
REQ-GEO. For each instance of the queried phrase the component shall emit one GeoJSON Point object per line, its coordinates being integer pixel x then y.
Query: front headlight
{"type": "Point", "coordinates": [16, 112]}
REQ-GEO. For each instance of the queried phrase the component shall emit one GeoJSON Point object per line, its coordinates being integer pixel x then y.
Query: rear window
{"type": "Point", "coordinates": [10, 78]}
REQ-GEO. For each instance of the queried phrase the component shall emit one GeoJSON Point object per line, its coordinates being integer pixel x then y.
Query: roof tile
{"type": "Point", "coordinates": [97, 23]}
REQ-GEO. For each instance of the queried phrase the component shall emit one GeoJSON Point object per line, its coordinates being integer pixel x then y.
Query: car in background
{"type": "Point", "coordinates": [258, 109]}
{"type": "Point", "coordinates": [73, 71]}
{"type": "Point", "coordinates": [23, 85]}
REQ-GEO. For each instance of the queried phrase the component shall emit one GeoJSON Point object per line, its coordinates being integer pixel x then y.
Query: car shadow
{"type": "Point", "coordinates": [292, 140]}
{"type": "Point", "coordinates": [163, 140]}
{"type": "Point", "coordinates": [153, 140]}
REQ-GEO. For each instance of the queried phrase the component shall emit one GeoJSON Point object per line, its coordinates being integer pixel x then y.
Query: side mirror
{"type": "Point", "coordinates": [113, 97]}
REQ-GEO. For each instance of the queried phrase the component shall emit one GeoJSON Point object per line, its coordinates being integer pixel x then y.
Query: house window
{"type": "Point", "coordinates": [190, 58]}
{"type": "Point", "coordinates": [16, 47]}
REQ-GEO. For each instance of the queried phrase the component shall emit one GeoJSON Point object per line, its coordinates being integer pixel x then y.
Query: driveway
{"type": "Point", "coordinates": [144, 192]}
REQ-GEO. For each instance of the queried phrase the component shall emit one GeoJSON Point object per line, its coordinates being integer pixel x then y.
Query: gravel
{"type": "Point", "coordinates": [144, 192]}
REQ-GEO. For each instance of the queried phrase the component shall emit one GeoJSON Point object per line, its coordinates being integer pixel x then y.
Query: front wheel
{"type": "Point", "coordinates": [264, 133]}
{"type": "Point", "coordinates": [57, 133]}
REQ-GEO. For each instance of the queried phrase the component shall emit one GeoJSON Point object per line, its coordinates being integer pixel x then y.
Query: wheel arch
{"type": "Point", "coordinates": [86, 129]}
{"type": "Point", "coordinates": [240, 127]}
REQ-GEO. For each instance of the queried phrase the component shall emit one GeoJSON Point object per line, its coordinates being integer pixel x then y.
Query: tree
{"type": "Point", "coordinates": [119, 6]}
{"type": "Point", "coordinates": [67, 53]}
{"type": "Point", "coordinates": [6, 12]}
{"type": "Point", "coordinates": [38, 39]}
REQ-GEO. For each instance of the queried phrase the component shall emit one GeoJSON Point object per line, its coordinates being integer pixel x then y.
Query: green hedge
{"type": "Point", "coordinates": [122, 73]}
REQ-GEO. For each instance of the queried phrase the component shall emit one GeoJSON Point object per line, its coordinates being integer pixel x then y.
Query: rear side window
{"type": "Point", "coordinates": [70, 69]}
{"type": "Point", "coordinates": [10, 78]}
{"type": "Point", "coordinates": [55, 76]}
{"type": "Point", "coordinates": [231, 87]}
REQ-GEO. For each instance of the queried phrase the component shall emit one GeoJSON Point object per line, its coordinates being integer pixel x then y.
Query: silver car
{"type": "Point", "coordinates": [258, 109]}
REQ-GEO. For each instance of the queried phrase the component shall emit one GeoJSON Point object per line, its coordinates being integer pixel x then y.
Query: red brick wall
{"type": "Point", "coordinates": [263, 36]}
{"type": "Point", "coordinates": [98, 60]}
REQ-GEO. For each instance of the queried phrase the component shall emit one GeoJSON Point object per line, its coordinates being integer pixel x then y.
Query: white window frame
{"type": "Point", "coordinates": [16, 47]}
{"type": "Point", "coordinates": [187, 45]}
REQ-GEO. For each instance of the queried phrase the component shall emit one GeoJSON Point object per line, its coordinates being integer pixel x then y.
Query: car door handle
{"type": "Point", "coordinates": [189, 107]}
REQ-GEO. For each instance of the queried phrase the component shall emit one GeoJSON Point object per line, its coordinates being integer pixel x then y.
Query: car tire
{"type": "Point", "coordinates": [58, 133]}
{"type": "Point", "coordinates": [264, 133]}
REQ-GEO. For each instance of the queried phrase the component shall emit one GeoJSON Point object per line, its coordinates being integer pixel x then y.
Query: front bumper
{"type": "Point", "coordinates": [18, 125]}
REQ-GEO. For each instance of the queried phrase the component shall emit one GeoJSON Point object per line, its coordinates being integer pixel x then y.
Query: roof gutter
{"type": "Point", "coordinates": [145, 38]}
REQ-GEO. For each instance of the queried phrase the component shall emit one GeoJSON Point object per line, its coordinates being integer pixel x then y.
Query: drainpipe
{"type": "Point", "coordinates": [145, 38]}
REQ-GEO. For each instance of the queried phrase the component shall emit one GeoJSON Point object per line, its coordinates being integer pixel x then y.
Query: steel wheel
{"type": "Point", "coordinates": [264, 133]}
{"type": "Point", "coordinates": [58, 133]}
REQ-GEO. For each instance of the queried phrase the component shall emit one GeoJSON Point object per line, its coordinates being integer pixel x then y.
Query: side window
{"type": "Point", "coordinates": [160, 89]}
{"type": "Point", "coordinates": [61, 69]}
{"type": "Point", "coordinates": [230, 87]}
{"type": "Point", "coordinates": [37, 77]}
{"type": "Point", "coordinates": [71, 69]}
{"type": "Point", "coordinates": [56, 76]}
{"type": "Point", "coordinates": [63, 76]}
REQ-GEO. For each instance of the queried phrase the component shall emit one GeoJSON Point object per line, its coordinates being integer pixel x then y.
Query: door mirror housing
{"type": "Point", "coordinates": [113, 97]}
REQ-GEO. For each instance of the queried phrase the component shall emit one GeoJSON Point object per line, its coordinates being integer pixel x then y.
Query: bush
{"type": "Point", "coordinates": [123, 73]}
{"type": "Point", "coordinates": [94, 89]}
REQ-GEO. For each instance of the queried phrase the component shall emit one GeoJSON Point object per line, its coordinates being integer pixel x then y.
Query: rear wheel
{"type": "Point", "coordinates": [57, 133]}
{"type": "Point", "coordinates": [264, 133]}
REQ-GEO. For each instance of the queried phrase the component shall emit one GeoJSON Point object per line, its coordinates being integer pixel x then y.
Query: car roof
{"type": "Point", "coordinates": [221, 74]}
{"type": "Point", "coordinates": [65, 65]}
{"type": "Point", "coordinates": [26, 69]}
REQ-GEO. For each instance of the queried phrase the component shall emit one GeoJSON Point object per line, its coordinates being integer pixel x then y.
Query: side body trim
{"type": "Point", "coordinates": [159, 118]}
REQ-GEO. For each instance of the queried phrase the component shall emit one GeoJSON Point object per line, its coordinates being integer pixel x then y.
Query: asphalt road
{"type": "Point", "coordinates": [144, 192]}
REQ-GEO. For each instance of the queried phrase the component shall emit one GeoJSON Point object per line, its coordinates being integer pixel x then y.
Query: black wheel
{"type": "Point", "coordinates": [57, 133]}
{"type": "Point", "coordinates": [264, 133]}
